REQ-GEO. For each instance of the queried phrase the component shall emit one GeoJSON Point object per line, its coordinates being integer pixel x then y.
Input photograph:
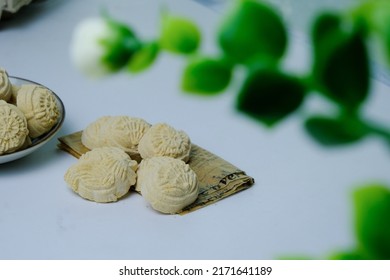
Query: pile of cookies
{"type": "Point", "coordinates": [26, 112]}
{"type": "Point", "coordinates": [129, 152]}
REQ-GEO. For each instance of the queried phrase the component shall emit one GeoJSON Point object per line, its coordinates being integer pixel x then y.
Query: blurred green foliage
{"type": "Point", "coordinates": [121, 45]}
{"type": "Point", "coordinates": [341, 64]}
{"type": "Point", "coordinates": [372, 226]}
{"type": "Point", "coordinates": [253, 36]}
{"type": "Point", "coordinates": [269, 95]}
{"type": "Point", "coordinates": [179, 35]}
{"type": "Point", "coordinates": [371, 205]}
{"type": "Point", "coordinates": [206, 75]}
{"type": "Point", "coordinates": [330, 131]}
{"type": "Point", "coordinates": [143, 57]}
{"type": "Point", "coordinates": [252, 30]}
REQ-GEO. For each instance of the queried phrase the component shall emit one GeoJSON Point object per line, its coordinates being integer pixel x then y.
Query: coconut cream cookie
{"type": "Point", "coordinates": [168, 184]}
{"type": "Point", "coordinates": [163, 140]}
{"type": "Point", "coordinates": [13, 128]}
{"type": "Point", "coordinates": [123, 132]}
{"type": "Point", "coordinates": [5, 86]}
{"type": "Point", "coordinates": [93, 136]}
{"type": "Point", "coordinates": [14, 94]}
{"type": "Point", "coordinates": [40, 108]}
{"type": "Point", "coordinates": [102, 174]}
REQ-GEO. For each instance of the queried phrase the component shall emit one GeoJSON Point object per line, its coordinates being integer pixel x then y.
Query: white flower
{"type": "Point", "coordinates": [100, 46]}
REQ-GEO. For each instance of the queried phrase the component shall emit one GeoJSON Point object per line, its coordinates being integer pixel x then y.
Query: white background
{"type": "Point", "coordinates": [200, 269]}
{"type": "Point", "coordinates": [300, 204]}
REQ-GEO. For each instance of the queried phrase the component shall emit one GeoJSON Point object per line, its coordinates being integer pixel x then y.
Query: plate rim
{"type": "Point", "coordinates": [46, 137]}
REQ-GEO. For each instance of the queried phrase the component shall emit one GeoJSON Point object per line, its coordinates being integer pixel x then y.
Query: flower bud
{"type": "Point", "coordinates": [101, 46]}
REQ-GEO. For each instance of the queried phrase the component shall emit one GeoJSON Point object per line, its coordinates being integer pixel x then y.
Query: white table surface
{"type": "Point", "coordinates": [300, 204]}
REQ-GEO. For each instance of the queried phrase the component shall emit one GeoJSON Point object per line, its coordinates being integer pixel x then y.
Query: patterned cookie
{"type": "Point", "coordinates": [5, 86]}
{"type": "Point", "coordinates": [93, 136]}
{"type": "Point", "coordinates": [168, 184]}
{"type": "Point", "coordinates": [163, 140]}
{"type": "Point", "coordinates": [13, 128]}
{"type": "Point", "coordinates": [40, 108]}
{"type": "Point", "coordinates": [14, 94]}
{"type": "Point", "coordinates": [102, 174]}
{"type": "Point", "coordinates": [123, 132]}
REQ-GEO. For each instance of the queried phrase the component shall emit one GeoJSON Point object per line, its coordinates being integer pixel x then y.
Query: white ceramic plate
{"type": "Point", "coordinates": [39, 141]}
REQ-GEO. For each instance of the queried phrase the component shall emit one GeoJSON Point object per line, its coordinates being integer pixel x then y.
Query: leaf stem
{"type": "Point", "coordinates": [377, 129]}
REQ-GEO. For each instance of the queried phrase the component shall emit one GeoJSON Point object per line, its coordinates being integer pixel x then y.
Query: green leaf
{"type": "Point", "coordinates": [386, 42]}
{"type": "Point", "coordinates": [179, 35]}
{"type": "Point", "coordinates": [252, 29]}
{"type": "Point", "coordinates": [143, 58]}
{"type": "Point", "coordinates": [207, 76]}
{"type": "Point", "coordinates": [341, 65]}
{"type": "Point", "coordinates": [334, 131]}
{"type": "Point", "coordinates": [270, 95]}
{"type": "Point", "coordinates": [376, 18]}
{"type": "Point", "coordinates": [325, 24]}
{"type": "Point", "coordinates": [372, 210]}
{"type": "Point", "coordinates": [120, 45]}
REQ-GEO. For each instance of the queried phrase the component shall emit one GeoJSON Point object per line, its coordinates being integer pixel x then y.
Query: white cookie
{"type": "Point", "coordinates": [102, 174]}
{"type": "Point", "coordinates": [163, 140]}
{"type": "Point", "coordinates": [40, 108]}
{"type": "Point", "coordinates": [13, 128]}
{"type": "Point", "coordinates": [168, 184]}
{"type": "Point", "coordinates": [5, 86]}
{"type": "Point", "coordinates": [123, 132]}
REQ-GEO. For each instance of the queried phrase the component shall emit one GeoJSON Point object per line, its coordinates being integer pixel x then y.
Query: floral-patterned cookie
{"type": "Point", "coordinates": [168, 184]}
{"type": "Point", "coordinates": [13, 128]}
{"type": "Point", "coordinates": [102, 174]}
{"type": "Point", "coordinates": [163, 140]}
{"type": "Point", "coordinates": [123, 132]}
{"type": "Point", "coordinates": [5, 86]}
{"type": "Point", "coordinates": [40, 108]}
